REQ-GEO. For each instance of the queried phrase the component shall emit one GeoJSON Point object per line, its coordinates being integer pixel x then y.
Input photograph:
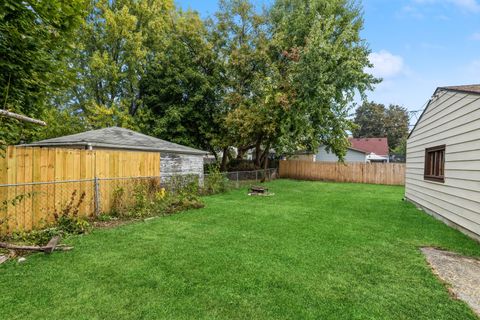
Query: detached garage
{"type": "Point", "coordinates": [175, 159]}
{"type": "Point", "coordinates": [443, 158]}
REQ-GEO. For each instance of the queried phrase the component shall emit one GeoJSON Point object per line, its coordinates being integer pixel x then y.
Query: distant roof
{"type": "Point", "coordinates": [472, 88]}
{"type": "Point", "coordinates": [379, 146]}
{"type": "Point", "coordinates": [117, 138]}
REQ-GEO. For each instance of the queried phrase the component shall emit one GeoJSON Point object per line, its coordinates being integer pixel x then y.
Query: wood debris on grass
{"type": "Point", "coordinates": [51, 246]}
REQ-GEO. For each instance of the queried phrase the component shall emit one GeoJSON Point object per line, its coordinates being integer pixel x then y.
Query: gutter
{"type": "Point", "coordinates": [90, 146]}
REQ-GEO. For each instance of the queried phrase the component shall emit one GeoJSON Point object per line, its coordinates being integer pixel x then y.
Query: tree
{"type": "Point", "coordinates": [114, 46]}
{"type": "Point", "coordinates": [396, 127]}
{"type": "Point", "coordinates": [35, 43]}
{"type": "Point", "coordinates": [239, 35]}
{"type": "Point", "coordinates": [370, 119]}
{"type": "Point", "coordinates": [181, 87]}
{"type": "Point", "coordinates": [375, 120]}
{"type": "Point", "coordinates": [325, 59]}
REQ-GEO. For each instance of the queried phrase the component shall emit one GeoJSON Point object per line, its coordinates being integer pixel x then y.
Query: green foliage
{"type": "Point", "coordinates": [35, 40]}
{"type": "Point", "coordinates": [36, 237]}
{"type": "Point", "coordinates": [66, 222]}
{"type": "Point", "coordinates": [182, 86]}
{"type": "Point", "coordinates": [114, 45]}
{"type": "Point", "coordinates": [375, 120]}
{"type": "Point", "coordinates": [325, 58]}
{"type": "Point", "coordinates": [149, 199]}
{"type": "Point", "coordinates": [215, 182]}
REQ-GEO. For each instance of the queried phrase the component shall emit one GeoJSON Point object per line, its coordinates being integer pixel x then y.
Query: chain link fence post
{"type": "Point", "coordinates": [238, 183]}
{"type": "Point", "coordinates": [96, 196]}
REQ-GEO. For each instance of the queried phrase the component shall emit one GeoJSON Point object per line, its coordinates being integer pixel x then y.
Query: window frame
{"type": "Point", "coordinates": [428, 164]}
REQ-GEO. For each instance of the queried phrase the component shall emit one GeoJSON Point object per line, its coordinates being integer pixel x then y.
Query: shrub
{"type": "Point", "coordinates": [215, 182]}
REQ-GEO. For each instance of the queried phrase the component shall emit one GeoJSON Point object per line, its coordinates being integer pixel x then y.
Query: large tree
{"type": "Point", "coordinates": [325, 58]}
{"type": "Point", "coordinates": [35, 44]}
{"type": "Point", "coordinates": [239, 35]}
{"type": "Point", "coordinates": [376, 120]}
{"type": "Point", "coordinates": [182, 86]}
{"type": "Point", "coordinates": [114, 47]}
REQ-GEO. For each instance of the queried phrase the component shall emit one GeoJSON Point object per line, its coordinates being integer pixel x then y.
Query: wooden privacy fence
{"type": "Point", "coordinates": [375, 173]}
{"type": "Point", "coordinates": [36, 183]}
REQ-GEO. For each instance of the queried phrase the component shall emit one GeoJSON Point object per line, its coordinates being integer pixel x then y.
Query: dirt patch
{"type": "Point", "coordinates": [111, 223]}
{"type": "Point", "coordinates": [460, 272]}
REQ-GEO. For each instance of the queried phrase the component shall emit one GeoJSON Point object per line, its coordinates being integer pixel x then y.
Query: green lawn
{"type": "Point", "coordinates": [313, 251]}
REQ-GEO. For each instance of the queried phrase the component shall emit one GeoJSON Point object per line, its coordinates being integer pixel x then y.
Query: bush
{"type": "Point", "coordinates": [148, 199]}
{"type": "Point", "coordinates": [215, 182]}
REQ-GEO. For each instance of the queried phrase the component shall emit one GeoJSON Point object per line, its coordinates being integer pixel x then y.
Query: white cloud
{"type": "Point", "coordinates": [386, 65]}
{"type": "Point", "coordinates": [469, 5]}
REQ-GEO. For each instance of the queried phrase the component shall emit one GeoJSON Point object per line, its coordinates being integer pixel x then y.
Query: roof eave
{"type": "Point", "coordinates": [111, 146]}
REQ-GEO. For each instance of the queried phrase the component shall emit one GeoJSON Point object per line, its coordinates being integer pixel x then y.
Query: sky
{"type": "Point", "coordinates": [416, 45]}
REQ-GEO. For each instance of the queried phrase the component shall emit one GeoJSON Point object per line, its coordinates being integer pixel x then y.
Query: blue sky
{"type": "Point", "coordinates": [417, 45]}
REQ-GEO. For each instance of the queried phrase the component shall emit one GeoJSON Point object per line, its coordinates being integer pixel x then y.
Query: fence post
{"type": "Point", "coordinates": [238, 184]}
{"type": "Point", "coordinates": [96, 196]}
{"type": "Point", "coordinates": [256, 175]}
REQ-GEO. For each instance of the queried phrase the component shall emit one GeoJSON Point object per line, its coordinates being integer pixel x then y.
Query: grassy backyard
{"type": "Point", "coordinates": [314, 250]}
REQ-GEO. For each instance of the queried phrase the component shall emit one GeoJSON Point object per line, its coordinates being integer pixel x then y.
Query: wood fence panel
{"type": "Point", "coordinates": [373, 173]}
{"type": "Point", "coordinates": [30, 206]}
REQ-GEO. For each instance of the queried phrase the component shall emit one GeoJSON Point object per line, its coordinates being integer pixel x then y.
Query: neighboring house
{"type": "Point", "coordinates": [352, 155]}
{"type": "Point", "coordinates": [443, 158]}
{"type": "Point", "coordinates": [175, 159]}
{"type": "Point", "coordinates": [376, 148]}
{"type": "Point", "coordinates": [361, 150]}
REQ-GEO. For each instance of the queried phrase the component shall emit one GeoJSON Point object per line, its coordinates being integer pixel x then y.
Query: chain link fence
{"type": "Point", "coordinates": [28, 206]}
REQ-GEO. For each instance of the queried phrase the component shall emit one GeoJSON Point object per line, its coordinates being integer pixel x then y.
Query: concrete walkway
{"type": "Point", "coordinates": [461, 273]}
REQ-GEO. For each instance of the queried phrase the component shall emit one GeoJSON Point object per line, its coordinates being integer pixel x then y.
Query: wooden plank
{"type": "Point", "coordinates": [21, 191]}
{"type": "Point", "coordinates": [4, 193]}
{"type": "Point", "coordinates": [375, 173]}
{"type": "Point", "coordinates": [50, 207]}
{"type": "Point", "coordinates": [12, 191]}
{"type": "Point", "coordinates": [39, 169]}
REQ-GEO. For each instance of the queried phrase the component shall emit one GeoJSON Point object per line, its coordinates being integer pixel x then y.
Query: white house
{"type": "Point", "coordinates": [352, 155]}
{"type": "Point", "coordinates": [443, 158]}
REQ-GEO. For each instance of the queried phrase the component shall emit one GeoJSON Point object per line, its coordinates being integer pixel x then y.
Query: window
{"type": "Point", "coordinates": [435, 164]}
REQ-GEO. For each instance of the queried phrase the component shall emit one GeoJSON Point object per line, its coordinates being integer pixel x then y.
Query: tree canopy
{"type": "Point", "coordinates": [281, 77]}
{"type": "Point", "coordinates": [376, 120]}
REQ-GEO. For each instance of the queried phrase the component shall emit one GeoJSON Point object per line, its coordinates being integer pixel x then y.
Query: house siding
{"type": "Point", "coordinates": [451, 119]}
{"type": "Point", "coordinates": [351, 156]}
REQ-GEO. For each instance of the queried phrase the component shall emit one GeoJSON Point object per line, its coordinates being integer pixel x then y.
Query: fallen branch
{"type": "Point", "coordinates": [51, 246]}
{"type": "Point", "coordinates": [21, 117]}
{"type": "Point", "coordinates": [3, 259]}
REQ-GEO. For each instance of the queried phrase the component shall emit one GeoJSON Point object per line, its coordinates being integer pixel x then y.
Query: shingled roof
{"type": "Point", "coordinates": [471, 88]}
{"type": "Point", "coordinates": [379, 146]}
{"type": "Point", "coordinates": [116, 138]}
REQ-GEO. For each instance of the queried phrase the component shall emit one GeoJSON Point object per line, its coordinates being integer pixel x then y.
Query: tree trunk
{"type": "Point", "coordinates": [240, 153]}
{"type": "Point", "coordinates": [258, 152]}
{"type": "Point", "coordinates": [223, 166]}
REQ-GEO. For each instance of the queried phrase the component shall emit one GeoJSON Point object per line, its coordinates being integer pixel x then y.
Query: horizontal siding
{"type": "Point", "coordinates": [448, 214]}
{"type": "Point", "coordinates": [455, 112]}
{"type": "Point", "coordinates": [351, 156]}
{"type": "Point", "coordinates": [452, 119]}
{"type": "Point", "coordinates": [461, 183]}
{"type": "Point", "coordinates": [172, 164]}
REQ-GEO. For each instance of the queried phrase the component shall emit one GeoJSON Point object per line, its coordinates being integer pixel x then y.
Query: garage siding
{"type": "Point", "coordinates": [451, 119]}
{"type": "Point", "coordinates": [175, 164]}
